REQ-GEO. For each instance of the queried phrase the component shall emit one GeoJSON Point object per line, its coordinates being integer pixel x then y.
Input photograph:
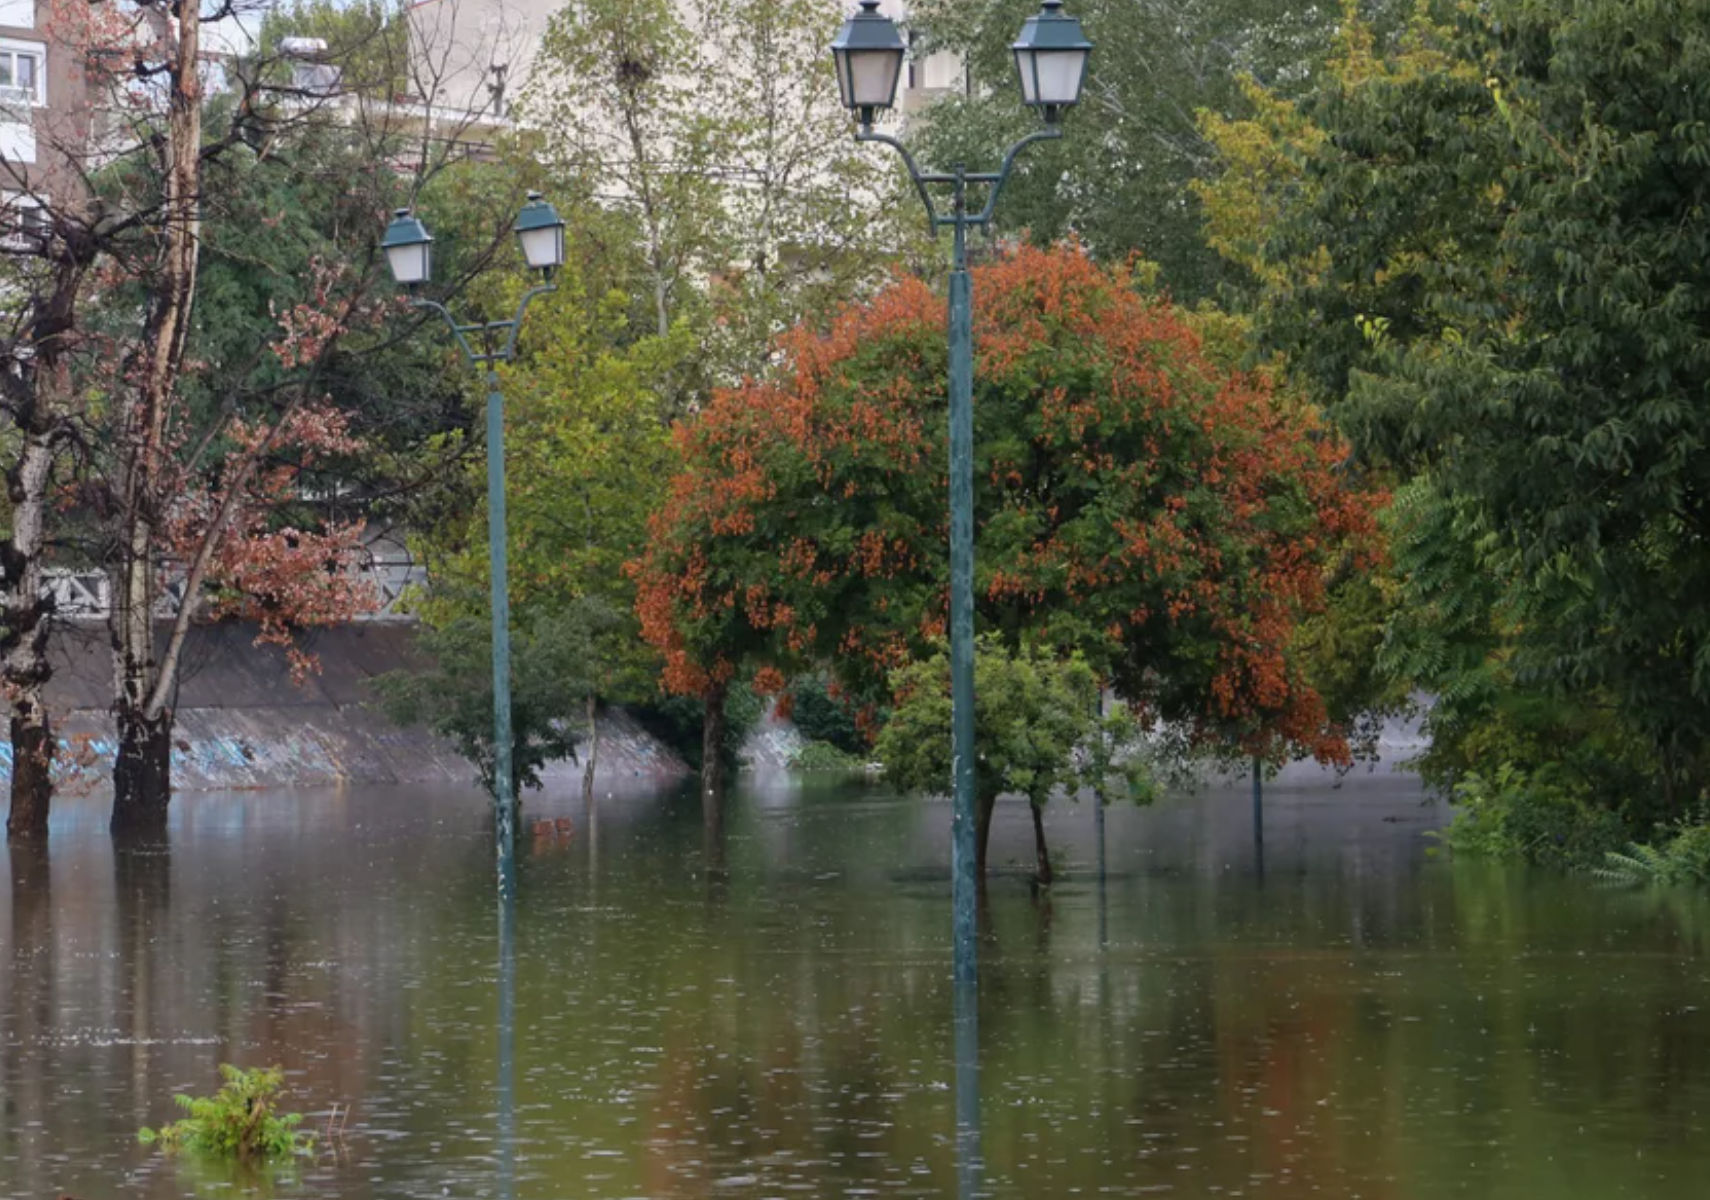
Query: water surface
{"type": "Point", "coordinates": [1350, 1017]}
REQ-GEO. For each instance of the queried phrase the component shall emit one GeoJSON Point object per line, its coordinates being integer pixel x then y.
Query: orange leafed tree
{"type": "Point", "coordinates": [1170, 518]}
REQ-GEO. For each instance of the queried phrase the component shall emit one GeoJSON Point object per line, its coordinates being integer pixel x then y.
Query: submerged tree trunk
{"type": "Point", "coordinates": [593, 751]}
{"type": "Point", "coordinates": [142, 764]}
{"type": "Point", "coordinates": [982, 835]}
{"type": "Point", "coordinates": [32, 767]}
{"type": "Point", "coordinates": [712, 764]}
{"type": "Point", "coordinates": [1042, 855]}
{"type": "Point", "coordinates": [24, 612]}
{"type": "Point", "coordinates": [40, 400]}
{"type": "Point", "coordinates": [142, 773]}
{"type": "Point", "coordinates": [143, 685]}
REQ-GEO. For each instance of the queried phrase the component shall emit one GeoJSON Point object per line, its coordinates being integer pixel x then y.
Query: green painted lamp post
{"type": "Point", "coordinates": [408, 247]}
{"type": "Point", "coordinates": [409, 254]}
{"type": "Point", "coordinates": [1050, 57]}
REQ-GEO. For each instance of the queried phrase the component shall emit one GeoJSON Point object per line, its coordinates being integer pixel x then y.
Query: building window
{"type": "Point", "coordinates": [17, 140]}
{"type": "Point", "coordinates": [25, 222]}
{"type": "Point", "coordinates": [22, 73]}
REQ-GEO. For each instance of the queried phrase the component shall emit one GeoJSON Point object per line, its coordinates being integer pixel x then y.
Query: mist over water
{"type": "Point", "coordinates": [1350, 1017]}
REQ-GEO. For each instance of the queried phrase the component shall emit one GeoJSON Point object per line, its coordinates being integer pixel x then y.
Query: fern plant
{"type": "Point", "coordinates": [1639, 864]}
{"type": "Point", "coordinates": [239, 1121]}
{"type": "Point", "coordinates": [1683, 859]}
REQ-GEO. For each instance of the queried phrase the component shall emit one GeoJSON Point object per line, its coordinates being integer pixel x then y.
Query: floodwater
{"type": "Point", "coordinates": [1350, 1017]}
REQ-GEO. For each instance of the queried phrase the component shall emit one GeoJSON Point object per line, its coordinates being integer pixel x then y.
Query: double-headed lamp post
{"type": "Point", "coordinates": [409, 254]}
{"type": "Point", "coordinates": [1050, 59]}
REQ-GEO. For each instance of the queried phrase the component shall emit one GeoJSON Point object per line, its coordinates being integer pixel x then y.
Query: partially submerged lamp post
{"type": "Point", "coordinates": [409, 253]}
{"type": "Point", "coordinates": [1050, 58]}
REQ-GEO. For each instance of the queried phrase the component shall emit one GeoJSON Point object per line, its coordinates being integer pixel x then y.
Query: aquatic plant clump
{"type": "Point", "coordinates": [1683, 859]}
{"type": "Point", "coordinates": [238, 1122]}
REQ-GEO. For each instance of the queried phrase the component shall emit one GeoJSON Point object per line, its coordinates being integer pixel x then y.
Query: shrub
{"type": "Point", "coordinates": [238, 1121]}
{"type": "Point", "coordinates": [823, 756]}
{"type": "Point", "coordinates": [822, 717]}
{"type": "Point", "coordinates": [1682, 859]}
{"type": "Point", "coordinates": [1535, 817]}
{"type": "Point", "coordinates": [677, 721]}
{"type": "Point", "coordinates": [1689, 851]}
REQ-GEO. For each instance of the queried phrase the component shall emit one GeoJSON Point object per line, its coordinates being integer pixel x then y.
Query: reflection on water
{"type": "Point", "coordinates": [970, 1162]}
{"type": "Point", "coordinates": [507, 1028]}
{"type": "Point", "coordinates": [1258, 820]}
{"type": "Point", "coordinates": [1368, 1022]}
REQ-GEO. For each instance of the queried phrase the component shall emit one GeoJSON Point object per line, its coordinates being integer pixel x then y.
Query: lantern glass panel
{"type": "Point", "coordinates": [543, 247]}
{"type": "Point", "coordinates": [1051, 76]}
{"type": "Point", "coordinates": [871, 77]}
{"type": "Point", "coordinates": [410, 263]}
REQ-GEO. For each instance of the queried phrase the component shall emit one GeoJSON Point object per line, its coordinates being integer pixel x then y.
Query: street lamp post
{"type": "Point", "coordinates": [409, 254]}
{"type": "Point", "coordinates": [1050, 57]}
{"type": "Point", "coordinates": [408, 247]}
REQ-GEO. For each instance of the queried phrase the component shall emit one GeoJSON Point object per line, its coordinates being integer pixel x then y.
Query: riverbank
{"type": "Point", "coordinates": [243, 724]}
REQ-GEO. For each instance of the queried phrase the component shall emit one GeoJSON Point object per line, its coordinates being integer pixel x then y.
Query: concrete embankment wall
{"type": "Point", "coordinates": [242, 722]}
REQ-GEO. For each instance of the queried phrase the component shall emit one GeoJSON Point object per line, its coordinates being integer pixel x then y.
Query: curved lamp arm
{"type": "Point", "coordinates": [457, 331]}
{"type": "Point", "coordinates": [1048, 134]}
{"type": "Point", "coordinates": [540, 289]}
{"type": "Point", "coordinates": [996, 179]}
{"type": "Point", "coordinates": [510, 328]}
{"type": "Point", "coordinates": [866, 134]}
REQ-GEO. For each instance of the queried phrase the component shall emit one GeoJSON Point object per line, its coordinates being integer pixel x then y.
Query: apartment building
{"type": "Point", "coordinates": [480, 52]}
{"type": "Point", "coordinates": [44, 112]}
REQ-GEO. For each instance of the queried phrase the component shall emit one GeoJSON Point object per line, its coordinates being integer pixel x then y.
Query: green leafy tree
{"type": "Point", "coordinates": [586, 457]}
{"type": "Point", "coordinates": [1032, 713]}
{"type": "Point", "coordinates": [1336, 274]}
{"type": "Point", "coordinates": [552, 683]}
{"type": "Point", "coordinates": [613, 92]}
{"type": "Point", "coordinates": [276, 226]}
{"type": "Point", "coordinates": [1493, 276]}
{"type": "Point", "coordinates": [367, 42]}
{"type": "Point", "coordinates": [822, 714]}
{"type": "Point", "coordinates": [717, 132]}
{"type": "Point", "coordinates": [1135, 500]}
{"type": "Point", "coordinates": [1121, 179]}
{"type": "Point", "coordinates": [808, 217]}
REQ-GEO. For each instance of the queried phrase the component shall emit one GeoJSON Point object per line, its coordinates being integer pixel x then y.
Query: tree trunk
{"type": "Point", "coordinates": [142, 770]}
{"type": "Point", "coordinates": [41, 401]}
{"type": "Point", "coordinates": [142, 773]}
{"type": "Point", "coordinates": [593, 751]}
{"type": "Point", "coordinates": [1042, 872]}
{"type": "Point", "coordinates": [712, 764]}
{"type": "Point", "coordinates": [24, 612]}
{"type": "Point", "coordinates": [982, 836]}
{"type": "Point", "coordinates": [32, 768]}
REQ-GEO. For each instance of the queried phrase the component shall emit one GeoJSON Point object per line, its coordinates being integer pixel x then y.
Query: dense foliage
{"type": "Point", "coordinates": [553, 676]}
{"type": "Point", "coordinates": [680, 721]}
{"type": "Point", "coordinates": [1481, 246]}
{"type": "Point", "coordinates": [822, 714]}
{"type": "Point", "coordinates": [1032, 712]}
{"type": "Point", "coordinates": [1121, 178]}
{"type": "Point", "coordinates": [1682, 858]}
{"type": "Point", "coordinates": [1169, 519]}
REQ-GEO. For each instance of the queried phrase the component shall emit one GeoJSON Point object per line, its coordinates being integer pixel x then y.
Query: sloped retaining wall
{"type": "Point", "coordinates": [242, 722]}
